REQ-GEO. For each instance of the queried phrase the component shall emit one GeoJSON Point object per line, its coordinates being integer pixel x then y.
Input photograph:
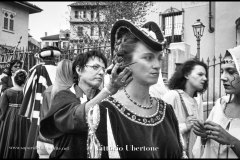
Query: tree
{"type": "Point", "coordinates": [134, 11]}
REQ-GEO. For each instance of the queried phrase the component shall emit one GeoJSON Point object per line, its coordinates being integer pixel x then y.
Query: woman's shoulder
{"type": "Point", "coordinates": [172, 96]}
{"type": "Point", "coordinates": [5, 78]}
{"type": "Point", "coordinates": [173, 93]}
{"type": "Point", "coordinates": [65, 92]}
{"type": "Point", "coordinates": [163, 102]}
{"type": "Point", "coordinates": [220, 102]}
{"type": "Point", "coordinates": [109, 102]}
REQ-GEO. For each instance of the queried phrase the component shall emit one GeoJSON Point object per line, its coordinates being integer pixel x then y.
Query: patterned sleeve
{"type": "Point", "coordinates": [93, 145]}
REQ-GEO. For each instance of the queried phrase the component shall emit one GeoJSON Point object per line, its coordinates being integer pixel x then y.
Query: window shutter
{"type": "Point", "coordinates": [5, 23]}
{"type": "Point", "coordinates": [11, 24]}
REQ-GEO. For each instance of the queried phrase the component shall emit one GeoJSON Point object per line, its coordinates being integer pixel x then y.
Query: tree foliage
{"type": "Point", "coordinates": [134, 11]}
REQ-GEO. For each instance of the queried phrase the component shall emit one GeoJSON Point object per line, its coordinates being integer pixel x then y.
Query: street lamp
{"type": "Point", "coordinates": [198, 29]}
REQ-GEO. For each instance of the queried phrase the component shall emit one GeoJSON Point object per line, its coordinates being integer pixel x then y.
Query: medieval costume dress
{"type": "Point", "coordinates": [40, 77]}
{"type": "Point", "coordinates": [66, 125]}
{"type": "Point", "coordinates": [213, 149]}
{"type": "Point", "coordinates": [117, 132]}
{"type": "Point", "coordinates": [14, 128]}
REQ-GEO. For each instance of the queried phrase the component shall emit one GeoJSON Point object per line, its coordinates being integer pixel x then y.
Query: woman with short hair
{"type": "Point", "coordinates": [65, 122]}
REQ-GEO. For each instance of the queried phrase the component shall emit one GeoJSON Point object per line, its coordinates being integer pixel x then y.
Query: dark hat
{"type": "Point", "coordinates": [149, 33]}
{"type": "Point", "coordinates": [49, 51]}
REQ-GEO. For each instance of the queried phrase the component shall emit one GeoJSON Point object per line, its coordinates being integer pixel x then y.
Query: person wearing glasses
{"type": "Point", "coordinates": [9, 71]}
{"type": "Point", "coordinates": [65, 122]}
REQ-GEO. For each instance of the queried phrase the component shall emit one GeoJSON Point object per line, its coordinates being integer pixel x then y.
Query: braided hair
{"type": "Point", "coordinates": [124, 46]}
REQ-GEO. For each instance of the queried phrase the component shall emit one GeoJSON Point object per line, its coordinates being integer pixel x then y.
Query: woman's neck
{"type": "Point", "coordinates": [89, 91]}
{"type": "Point", "coordinates": [138, 92]}
{"type": "Point", "coordinates": [189, 90]}
{"type": "Point", "coordinates": [236, 99]}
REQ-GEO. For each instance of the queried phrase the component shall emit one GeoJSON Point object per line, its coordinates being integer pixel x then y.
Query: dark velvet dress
{"type": "Point", "coordinates": [14, 128]}
{"type": "Point", "coordinates": [133, 136]}
{"type": "Point", "coordinates": [66, 126]}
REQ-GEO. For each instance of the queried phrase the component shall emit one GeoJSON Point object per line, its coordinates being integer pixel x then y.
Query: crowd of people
{"type": "Point", "coordinates": [87, 109]}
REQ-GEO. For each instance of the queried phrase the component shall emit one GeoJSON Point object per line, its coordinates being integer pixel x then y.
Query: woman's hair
{"type": "Point", "coordinates": [8, 68]}
{"type": "Point", "coordinates": [178, 79]}
{"type": "Point", "coordinates": [20, 77]}
{"type": "Point", "coordinates": [82, 59]}
{"type": "Point", "coordinates": [125, 45]}
{"type": "Point", "coordinates": [64, 77]}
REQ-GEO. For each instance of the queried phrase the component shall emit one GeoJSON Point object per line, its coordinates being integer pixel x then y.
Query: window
{"type": "Point", "coordinates": [76, 14]}
{"type": "Point", "coordinates": [8, 20]}
{"type": "Point", "coordinates": [172, 24]}
{"type": "Point", "coordinates": [80, 14]}
{"type": "Point", "coordinates": [84, 14]}
{"type": "Point", "coordinates": [100, 31]}
{"type": "Point", "coordinates": [55, 44]}
{"type": "Point", "coordinates": [92, 15]}
{"type": "Point", "coordinates": [46, 44]}
{"type": "Point", "coordinates": [80, 31]}
{"type": "Point", "coordinates": [92, 30]}
{"type": "Point", "coordinates": [64, 44]}
{"type": "Point", "coordinates": [97, 16]}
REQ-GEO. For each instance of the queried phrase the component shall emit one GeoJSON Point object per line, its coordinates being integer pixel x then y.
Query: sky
{"type": "Point", "coordinates": [55, 16]}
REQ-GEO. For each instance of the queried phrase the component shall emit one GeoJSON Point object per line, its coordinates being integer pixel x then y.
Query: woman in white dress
{"type": "Point", "coordinates": [219, 136]}
{"type": "Point", "coordinates": [185, 85]}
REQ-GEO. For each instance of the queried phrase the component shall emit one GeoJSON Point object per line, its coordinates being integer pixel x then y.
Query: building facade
{"type": "Point", "coordinates": [86, 22]}
{"type": "Point", "coordinates": [14, 17]}
{"type": "Point", "coordinates": [33, 44]}
{"type": "Point", "coordinates": [220, 33]}
{"type": "Point", "coordinates": [60, 40]}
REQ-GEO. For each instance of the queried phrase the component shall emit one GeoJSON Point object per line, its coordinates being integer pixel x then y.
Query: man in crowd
{"type": "Point", "coordinates": [40, 77]}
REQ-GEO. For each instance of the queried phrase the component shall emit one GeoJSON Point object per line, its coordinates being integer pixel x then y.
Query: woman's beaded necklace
{"type": "Point", "coordinates": [139, 105]}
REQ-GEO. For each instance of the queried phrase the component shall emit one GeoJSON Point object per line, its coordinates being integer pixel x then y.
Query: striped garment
{"type": "Point", "coordinates": [40, 77]}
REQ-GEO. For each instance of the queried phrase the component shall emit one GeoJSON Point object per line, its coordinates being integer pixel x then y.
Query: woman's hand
{"type": "Point", "coordinates": [189, 121]}
{"type": "Point", "coordinates": [199, 130]}
{"type": "Point", "coordinates": [119, 80]}
{"type": "Point", "coordinates": [217, 133]}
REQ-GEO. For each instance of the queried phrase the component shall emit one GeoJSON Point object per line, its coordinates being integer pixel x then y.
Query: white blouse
{"type": "Point", "coordinates": [193, 105]}
{"type": "Point", "coordinates": [212, 148]}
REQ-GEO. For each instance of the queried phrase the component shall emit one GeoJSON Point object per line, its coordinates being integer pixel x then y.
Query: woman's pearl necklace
{"type": "Point", "coordinates": [139, 105]}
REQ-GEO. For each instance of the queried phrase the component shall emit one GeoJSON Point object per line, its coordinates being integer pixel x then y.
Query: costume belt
{"type": "Point", "coordinates": [14, 105]}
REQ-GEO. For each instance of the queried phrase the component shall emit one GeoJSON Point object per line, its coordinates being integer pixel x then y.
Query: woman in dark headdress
{"type": "Point", "coordinates": [131, 123]}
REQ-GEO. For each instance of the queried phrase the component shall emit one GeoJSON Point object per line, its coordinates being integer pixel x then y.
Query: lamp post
{"type": "Point", "coordinates": [237, 31]}
{"type": "Point", "coordinates": [198, 29]}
